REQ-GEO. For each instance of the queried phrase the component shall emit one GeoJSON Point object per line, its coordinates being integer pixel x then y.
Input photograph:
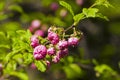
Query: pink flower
{"type": "Point", "coordinates": [39, 33]}
{"type": "Point", "coordinates": [63, 13]}
{"type": "Point", "coordinates": [63, 53]}
{"type": "Point", "coordinates": [62, 44]}
{"type": "Point", "coordinates": [31, 29]}
{"type": "Point", "coordinates": [40, 52]}
{"type": "Point", "coordinates": [48, 64]}
{"type": "Point", "coordinates": [73, 41]}
{"type": "Point", "coordinates": [56, 59]}
{"type": "Point", "coordinates": [79, 2]}
{"type": "Point", "coordinates": [53, 37]}
{"type": "Point", "coordinates": [34, 44]}
{"type": "Point", "coordinates": [51, 51]}
{"type": "Point", "coordinates": [33, 66]}
{"type": "Point", "coordinates": [35, 24]}
{"type": "Point", "coordinates": [34, 38]}
{"type": "Point", "coordinates": [54, 6]}
{"type": "Point", "coordinates": [34, 41]}
{"type": "Point", "coordinates": [50, 30]}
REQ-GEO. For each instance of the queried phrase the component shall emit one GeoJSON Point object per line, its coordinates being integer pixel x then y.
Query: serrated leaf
{"type": "Point", "coordinates": [78, 17]}
{"type": "Point", "coordinates": [40, 66]}
{"type": "Point", "coordinates": [67, 6]}
{"type": "Point", "coordinates": [91, 12]}
{"type": "Point", "coordinates": [16, 8]}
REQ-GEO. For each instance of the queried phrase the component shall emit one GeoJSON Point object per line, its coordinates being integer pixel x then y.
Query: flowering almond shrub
{"type": "Point", "coordinates": [39, 47]}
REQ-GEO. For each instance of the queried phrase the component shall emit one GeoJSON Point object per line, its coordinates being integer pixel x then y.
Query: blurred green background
{"type": "Point", "coordinates": [98, 55]}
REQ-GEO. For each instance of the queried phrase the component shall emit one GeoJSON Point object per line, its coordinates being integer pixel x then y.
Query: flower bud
{"type": "Point", "coordinates": [48, 64]}
{"type": "Point", "coordinates": [33, 66]}
{"type": "Point", "coordinates": [39, 33]}
{"type": "Point", "coordinates": [63, 13]}
{"type": "Point", "coordinates": [34, 41]}
{"type": "Point", "coordinates": [53, 37]}
{"type": "Point", "coordinates": [51, 51]}
{"type": "Point", "coordinates": [31, 29]}
{"type": "Point", "coordinates": [54, 6]}
{"type": "Point", "coordinates": [63, 53]}
{"type": "Point", "coordinates": [40, 52]}
{"type": "Point", "coordinates": [73, 41]}
{"type": "Point", "coordinates": [34, 38]}
{"type": "Point", "coordinates": [35, 24]}
{"type": "Point", "coordinates": [50, 30]}
{"type": "Point", "coordinates": [34, 44]}
{"type": "Point", "coordinates": [62, 44]}
{"type": "Point", "coordinates": [56, 59]}
{"type": "Point", "coordinates": [79, 2]}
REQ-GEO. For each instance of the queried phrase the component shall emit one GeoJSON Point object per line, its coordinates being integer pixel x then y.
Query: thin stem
{"type": "Point", "coordinates": [92, 5]}
{"type": "Point", "coordinates": [48, 42]}
{"type": "Point", "coordinates": [69, 28]}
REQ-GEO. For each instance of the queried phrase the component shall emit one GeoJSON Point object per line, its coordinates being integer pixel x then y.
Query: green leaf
{"type": "Point", "coordinates": [104, 67]}
{"type": "Point", "coordinates": [11, 26]}
{"type": "Point", "coordinates": [2, 34]}
{"type": "Point", "coordinates": [78, 17]}
{"type": "Point", "coordinates": [28, 58]}
{"type": "Point", "coordinates": [103, 2]}
{"type": "Point", "coordinates": [4, 42]}
{"type": "Point", "coordinates": [67, 6]}
{"type": "Point", "coordinates": [91, 12]}
{"type": "Point", "coordinates": [9, 55]}
{"type": "Point", "coordinates": [70, 59]}
{"type": "Point", "coordinates": [16, 8]}
{"type": "Point", "coordinates": [25, 18]}
{"type": "Point", "coordinates": [21, 75]}
{"type": "Point", "coordinates": [40, 66]}
{"type": "Point", "coordinates": [5, 46]}
{"type": "Point", "coordinates": [11, 66]}
{"type": "Point", "coordinates": [21, 31]}
{"type": "Point", "coordinates": [73, 71]}
{"type": "Point", "coordinates": [102, 16]}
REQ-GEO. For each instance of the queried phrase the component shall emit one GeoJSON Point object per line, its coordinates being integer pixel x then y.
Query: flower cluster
{"type": "Point", "coordinates": [55, 47]}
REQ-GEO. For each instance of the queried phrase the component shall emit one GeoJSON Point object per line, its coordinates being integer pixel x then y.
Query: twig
{"type": "Point", "coordinates": [69, 28]}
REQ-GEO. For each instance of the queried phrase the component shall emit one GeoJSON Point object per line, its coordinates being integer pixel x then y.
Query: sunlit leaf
{"type": "Point", "coordinates": [103, 2]}
{"type": "Point", "coordinates": [78, 17]}
{"type": "Point", "coordinates": [91, 12]}
{"type": "Point", "coordinates": [67, 6]}
{"type": "Point", "coordinates": [40, 66]}
{"type": "Point", "coordinates": [21, 75]}
{"type": "Point", "coordinates": [16, 8]}
{"type": "Point", "coordinates": [72, 71]}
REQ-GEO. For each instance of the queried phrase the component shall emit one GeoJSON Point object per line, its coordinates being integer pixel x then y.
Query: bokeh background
{"type": "Point", "coordinates": [97, 57]}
